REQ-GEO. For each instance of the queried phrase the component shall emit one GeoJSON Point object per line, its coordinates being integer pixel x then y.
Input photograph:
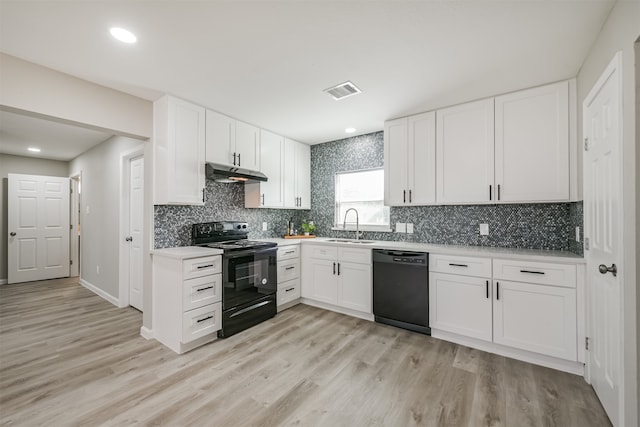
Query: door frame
{"type": "Point", "coordinates": [123, 277]}
{"type": "Point", "coordinates": [615, 66]}
{"type": "Point", "coordinates": [74, 217]}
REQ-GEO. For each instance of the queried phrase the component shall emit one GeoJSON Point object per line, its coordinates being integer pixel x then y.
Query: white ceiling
{"type": "Point", "coordinates": [58, 141]}
{"type": "Point", "coordinates": [267, 62]}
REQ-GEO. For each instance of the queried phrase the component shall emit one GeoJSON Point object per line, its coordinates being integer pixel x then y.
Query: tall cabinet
{"type": "Point", "coordinates": [178, 152]}
{"type": "Point", "coordinates": [409, 159]}
{"type": "Point", "coordinates": [297, 175]}
{"type": "Point", "coordinates": [269, 194]}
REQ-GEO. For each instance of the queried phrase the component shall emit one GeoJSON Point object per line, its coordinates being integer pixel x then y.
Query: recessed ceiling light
{"type": "Point", "coordinates": [350, 130]}
{"type": "Point", "coordinates": [35, 150]}
{"type": "Point", "coordinates": [123, 35]}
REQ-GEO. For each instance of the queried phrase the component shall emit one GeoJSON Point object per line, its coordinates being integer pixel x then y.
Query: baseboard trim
{"type": "Point", "coordinates": [146, 333]}
{"type": "Point", "coordinates": [113, 300]}
{"type": "Point", "coordinates": [4, 281]}
{"type": "Point", "coordinates": [342, 310]}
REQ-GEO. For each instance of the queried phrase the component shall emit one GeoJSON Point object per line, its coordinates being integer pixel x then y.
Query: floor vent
{"type": "Point", "coordinates": [343, 90]}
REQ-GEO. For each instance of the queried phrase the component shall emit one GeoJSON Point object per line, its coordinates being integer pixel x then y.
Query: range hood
{"type": "Point", "coordinates": [231, 174]}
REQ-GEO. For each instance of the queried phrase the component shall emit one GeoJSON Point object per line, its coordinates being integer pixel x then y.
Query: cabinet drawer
{"type": "Point", "coordinates": [288, 252]}
{"type": "Point", "coordinates": [288, 291]}
{"type": "Point", "coordinates": [288, 270]}
{"type": "Point", "coordinates": [201, 321]}
{"type": "Point", "coordinates": [359, 256]}
{"type": "Point", "coordinates": [201, 291]}
{"type": "Point", "coordinates": [198, 267]}
{"type": "Point", "coordinates": [535, 272]}
{"type": "Point", "coordinates": [323, 252]}
{"type": "Point", "coordinates": [464, 266]}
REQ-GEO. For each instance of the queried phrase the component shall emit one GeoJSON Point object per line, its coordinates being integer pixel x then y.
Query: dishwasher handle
{"type": "Point", "coordinates": [400, 257]}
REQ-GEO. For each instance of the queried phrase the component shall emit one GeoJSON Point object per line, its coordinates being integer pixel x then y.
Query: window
{"type": "Point", "coordinates": [364, 191]}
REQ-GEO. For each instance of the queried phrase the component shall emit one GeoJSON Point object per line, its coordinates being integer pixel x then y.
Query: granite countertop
{"type": "Point", "coordinates": [186, 252]}
{"type": "Point", "coordinates": [541, 255]}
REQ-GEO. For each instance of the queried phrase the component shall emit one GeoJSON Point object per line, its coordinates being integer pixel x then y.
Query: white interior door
{"type": "Point", "coordinates": [602, 198]}
{"type": "Point", "coordinates": [136, 200]}
{"type": "Point", "coordinates": [38, 221]}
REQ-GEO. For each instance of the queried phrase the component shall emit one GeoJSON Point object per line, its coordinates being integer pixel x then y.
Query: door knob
{"type": "Point", "coordinates": [12, 234]}
{"type": "Point", "coordinates": [128, 239]}
{"type": "Point", "coordinates": [604, 269]}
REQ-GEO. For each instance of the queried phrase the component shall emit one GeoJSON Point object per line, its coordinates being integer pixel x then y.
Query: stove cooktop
{"type": "Point", "coordinates": [225, 235]}
{"type": "Point", "coordinates": [239, 244]}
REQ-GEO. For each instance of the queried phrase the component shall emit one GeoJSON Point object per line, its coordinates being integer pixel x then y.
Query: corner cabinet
{"type": "Point", "coordinates": [410, 160]}
{"type": "Point", "coordinates": [231, 142]}
{"type": "Point", "coordinates": [269, 194]}
{"type": "Point", "coordinates": [178, 152]}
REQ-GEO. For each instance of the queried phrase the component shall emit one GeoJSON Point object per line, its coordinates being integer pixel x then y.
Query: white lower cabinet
{"type": "Point", "coordinates": [536, 318]}
{"type": "Point", "coordinates": [338, 276]}
{"type": "Point", "coordinates": [288, 276]}
{"type": "Point", "coordinates": [187, 298]}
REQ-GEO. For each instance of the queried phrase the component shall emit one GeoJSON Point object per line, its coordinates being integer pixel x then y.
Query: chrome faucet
{"type": "Point", "coordinates": [344, 223]}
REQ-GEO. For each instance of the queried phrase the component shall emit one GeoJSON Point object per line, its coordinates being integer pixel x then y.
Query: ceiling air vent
{"type": "Point", "coordinates": [343, 90]}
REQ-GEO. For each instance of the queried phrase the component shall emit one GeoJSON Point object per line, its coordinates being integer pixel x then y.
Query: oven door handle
{"type": "Point", "coordinates": [252, 307]}
{"type": "Point", "coordinates": [239, 254]}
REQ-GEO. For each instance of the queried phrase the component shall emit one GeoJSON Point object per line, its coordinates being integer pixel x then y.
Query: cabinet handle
{"type": "Point", "coordinates": [497, 290]}
{"type": "Point", "coordinates": [238, 159]}
{"type": "Point", "coordinates": [338, 269]}
{"type": "Point", "coordinates": [203, 319]}
{"type": "Point", "coordinates": [204, 266]}
{"type": "Point", "coordinates": [487, 289]}
{"type": "Point", "coordinates": [234, 158]}
{"type": "Point", "coordinates": [289, 290]}
{"type": "Point", "coordinates": [289, 252]}
{"type": "Point", "coordinates": [203, 195]}
{"type": "Point", "coordinates": [300, 205]}
{"type": "Point", "coordinates": [531, 272]}
{"type": "Point", "coordinates": [409, 196]}
{"type": "Point", "coordinates": [498, 191]}
{"type": "Point", "coordinates": [458, 265]}
{"type": "Point", "coordinates": [490, 196]}
{"type": "Point", "coordinates": [262, 199]}
{"type": "Point", "coordinates": [290, 268]}
{"type": "Point", "coordinates": [334, 268]}
{"type": "Point", "coordinates": [204, 289]}
{"type": "Point", "coordinates": [404, 196]}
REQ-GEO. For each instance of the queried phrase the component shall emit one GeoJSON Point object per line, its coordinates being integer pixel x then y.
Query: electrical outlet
{"type": "Point", "coordinates": [577, 233]}
{"type": "Point", "coordinates": [484, 229]}
{"type": "Point", "coordinates": [409, 228]}
{"type": "Point", "coordinates": [401, 227]}
{"type": "Point", "coordinates": [264, 226]}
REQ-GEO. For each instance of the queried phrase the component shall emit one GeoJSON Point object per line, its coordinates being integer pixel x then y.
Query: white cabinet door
{"type": "Point", "coordinates": [247, 146]}
{"type": "Point", "coordinates": [532, 144]}
{"type": "Point", "coordinates": [269, 194]}
{"type": "Point", "coordinates": [461, 305]}
{"type": "Point", "coordinates": [289, 172]}
{"type": "Point", "coordinates": [303, 175]}
{"type": "Point", "coordinates": [221, 138]}
{"type": "Point", "coordinates": [536, 318]}
{"type": "Point", "coordinates": [179, 152]}
{"type": "Point", "coordinates": [421, 160]}
{"type": "Point", "coordinates": [323, 281]}
{"type": "Point", "coordinates": [355, 286]}
{"type": "Point", "coordinates": [464, 152]}
{"type": "Point", "coordinates": [395, 162]}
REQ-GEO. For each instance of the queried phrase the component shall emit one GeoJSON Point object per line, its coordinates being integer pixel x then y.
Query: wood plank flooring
{"type": "Point", "coordinates": [69, 358]}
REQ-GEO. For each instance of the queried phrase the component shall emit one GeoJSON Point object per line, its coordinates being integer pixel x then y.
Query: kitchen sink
{"type": "Point", "coordinates": [350, 241]}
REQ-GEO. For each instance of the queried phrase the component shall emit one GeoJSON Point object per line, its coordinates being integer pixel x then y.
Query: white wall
{"type": "Point", "coordinates": [40, 91]}
{"type": "Point", "coordinates": [25, 165]}
{"type": "Point", "coordinates": [619, 33]}
{"type": "Point", "coordinates": [100, 225]}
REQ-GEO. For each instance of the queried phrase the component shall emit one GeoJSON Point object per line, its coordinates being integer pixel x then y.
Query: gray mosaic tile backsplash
{"type": "Point", "coordinates": [536, 226]}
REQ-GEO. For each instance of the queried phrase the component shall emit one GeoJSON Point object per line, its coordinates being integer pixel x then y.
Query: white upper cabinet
{"type": "Point", "coordinates": [532, 144]}
{"type": "Point", "coordinates": [464, 148]}
{"type": "Point", "coordinates": [231, 142]}
{"type": "Point", "coordinates": [297, 175]}
{"type": "Point", "coordinates": [409, 159]}
{"type": "Point", "coordinates": [269, 194]}
{"type": "Point", "coordinates": [178, 152]}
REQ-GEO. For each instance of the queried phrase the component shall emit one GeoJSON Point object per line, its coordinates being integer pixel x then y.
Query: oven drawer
{"type": "Point", "coordinates": [535, 272]}
{"type": "Point", "coordinates": [201, 321]}
{"type": "Point", "coordinates": [201, 291]}
{"type": "Point", "coordinates": [288, 291]}
{"type": "Point", "coordinates": [463, 266]}
{"type": "Point", "coordinates": [288, 252]}
{"type": "Point", "coordinates": [288, 270]}
{"type": "Point", "coordinates": [198, 267]}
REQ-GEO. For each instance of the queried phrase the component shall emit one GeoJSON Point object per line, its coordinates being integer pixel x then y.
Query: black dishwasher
{"type": "Point", "coordinates": [401, 289]}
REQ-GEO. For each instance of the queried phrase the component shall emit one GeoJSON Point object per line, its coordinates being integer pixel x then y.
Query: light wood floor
{"type": "Point", "coordinates": [70, 358]}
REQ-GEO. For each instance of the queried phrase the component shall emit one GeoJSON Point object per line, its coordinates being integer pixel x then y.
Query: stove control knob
{"type": "Point", "coordinates": [239, 226]}
{"type": "Point", "coordinates": [205, 229]}
{"type": "Point", "coordinates": [244, 225]}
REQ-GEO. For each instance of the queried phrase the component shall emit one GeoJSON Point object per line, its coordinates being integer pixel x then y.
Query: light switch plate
{"type": "Point", "coordinates": [401, 227]}
{"type": "Point", "coordinates": [409, 228]}
{"type": "Point", "coordinates": [577, 233]}
{"type": "Point", "coordinates": [484, 229]}
{"type": "Point", "coordinates": [264, 226]}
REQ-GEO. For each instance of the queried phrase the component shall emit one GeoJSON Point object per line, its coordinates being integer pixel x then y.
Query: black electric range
{"type": "Point", "coordinates": [249, 273]}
